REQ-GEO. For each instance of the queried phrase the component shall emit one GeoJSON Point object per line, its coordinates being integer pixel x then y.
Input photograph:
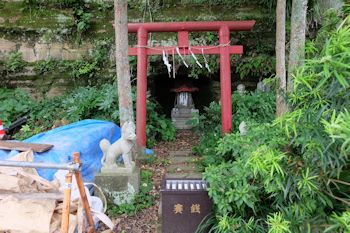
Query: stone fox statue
{"type": "Point", "coordinates": [122, 147]}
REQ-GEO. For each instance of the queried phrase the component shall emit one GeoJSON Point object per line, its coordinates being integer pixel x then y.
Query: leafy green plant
{"type": "Point", "coordinates": [45, 66]}
{"type": "Point", "coordinates": [105, 6]}
{"type": "Point", "coordinates": [15, 62]}
{"type": "Point", "coordinates": [83, 20]}
{"type": "Point", "coordinates": [340, 223]}
{"type": "Point", "coordinates": [252, 107]}
{"type": "Point", "coordinates": [26, 131]}
{"type": "Point", "coordinates": [290, 173]}
{"type": "Point", "coordinates": [83, 69]}
{"type": "Point", "coordinates": [260, 66]}
{"type": "Point", "coordinates": [82, 103]}
{"type": "Point", "coordinates": [277, 224]}
{"type": "Point", "coordinates": [13, 103]}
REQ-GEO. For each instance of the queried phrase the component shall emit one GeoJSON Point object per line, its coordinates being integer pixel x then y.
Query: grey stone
{"type": "Point", "coordinates": [182, 168]}
{"type": "Point", "coordinates": [180, 153]}
{"type": "Point", "coordinates": [182, 159]}
{"type": "Point", "coordinates": [187, 175]}
{"type": "Point", "coordinates": [117, 181]}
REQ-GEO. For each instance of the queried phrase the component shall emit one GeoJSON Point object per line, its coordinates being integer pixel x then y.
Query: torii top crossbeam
{"type": "Point", "coordinates": [183, 28]}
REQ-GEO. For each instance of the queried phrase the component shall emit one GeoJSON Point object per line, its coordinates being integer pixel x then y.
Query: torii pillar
{"type": "Point", "coordinates": [183, 28]}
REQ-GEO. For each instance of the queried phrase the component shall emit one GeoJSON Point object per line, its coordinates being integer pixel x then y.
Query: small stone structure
{"type": "Point", "coordinates": [183, 107]}
{"type": "Point", "coordinates": [119, 181]}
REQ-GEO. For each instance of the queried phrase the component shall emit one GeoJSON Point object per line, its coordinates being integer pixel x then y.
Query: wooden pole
{"type": "Point", "coordinates": [83, 196]}
{"type": "Point", "coordinates": [225, 80]}
{"type": "Point", "coordinates": [281, 90]}
{"type": "Point", "coordinates": [66, 203]}
{"type": "Point", "coordinates": [126, 112]}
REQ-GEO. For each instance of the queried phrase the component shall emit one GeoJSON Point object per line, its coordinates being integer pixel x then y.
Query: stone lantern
{"type": "Point", "coordinates": [183, 107]}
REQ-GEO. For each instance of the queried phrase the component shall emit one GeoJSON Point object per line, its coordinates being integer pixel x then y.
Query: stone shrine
{"type": "Point", "coordinates": [184, 107]}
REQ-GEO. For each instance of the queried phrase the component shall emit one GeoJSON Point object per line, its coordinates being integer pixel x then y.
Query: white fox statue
{"type": "Point", "coordinates": [122, 147]}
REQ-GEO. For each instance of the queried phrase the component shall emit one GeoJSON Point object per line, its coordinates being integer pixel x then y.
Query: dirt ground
{"type": "Point", "coordinates": [147, 220]}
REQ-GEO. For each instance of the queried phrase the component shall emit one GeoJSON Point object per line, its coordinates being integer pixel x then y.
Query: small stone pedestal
{"type": "Point", "coordinates": [116, 181]}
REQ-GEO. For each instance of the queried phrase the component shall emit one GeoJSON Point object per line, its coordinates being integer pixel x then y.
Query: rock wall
{"type": "Point", "coordinates": [36, 51]}
{"type": "Point", "coordinates": [50, 33]}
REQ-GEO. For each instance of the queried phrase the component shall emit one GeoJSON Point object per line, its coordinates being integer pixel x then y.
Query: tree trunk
{"type": "Point", "coordinates": [297, 39]}
{"type": "Point", "coordinates": [281, 106]}
{"type": "Point", "coordinates": [122, 61]}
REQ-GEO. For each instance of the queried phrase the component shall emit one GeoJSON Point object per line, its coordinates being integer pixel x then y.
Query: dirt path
{"type": "Point", "coordinates": [147, 220]}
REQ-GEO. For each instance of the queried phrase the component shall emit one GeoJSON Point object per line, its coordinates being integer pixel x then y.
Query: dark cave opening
{"type": "Point", "coordinates": [161, 88]}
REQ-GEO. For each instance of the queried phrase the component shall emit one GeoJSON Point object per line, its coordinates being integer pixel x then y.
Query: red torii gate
{"type": "Point", "coordinates": [182, 28]}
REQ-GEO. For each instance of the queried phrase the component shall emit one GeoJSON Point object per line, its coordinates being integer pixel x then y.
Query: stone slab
{"type": "Point", "coordinates": [174, 168]}
{"type": "Point", "coordinates": [182, 123]}
{"type": "Point", "coordinates": [186, 175]}
{"type": "Point", "coordinates": [180, 153]}
{"type": "Point", "coordinates": [182, 159]}
{"type": "Point", "coordinates": [118, 182]}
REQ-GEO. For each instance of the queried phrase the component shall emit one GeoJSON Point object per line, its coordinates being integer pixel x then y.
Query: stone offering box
{"type": "Point", "coordinates": [184, 204]}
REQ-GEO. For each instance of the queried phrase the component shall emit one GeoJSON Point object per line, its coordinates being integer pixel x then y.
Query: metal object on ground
{"type": "Point", "coordinates": [69, 166]}
{"type": "Point", "coordinates": [185, 203]}
{"type": "Point", "coordinates": [16, 125]}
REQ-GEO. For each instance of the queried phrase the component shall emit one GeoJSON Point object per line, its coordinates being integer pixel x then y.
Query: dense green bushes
{"type": "Point", "coordinates": [252, 107]}
{"type": "Point", "coordinates": [291, 174]}
{"type": "Point", "coordinates": [82, 103]}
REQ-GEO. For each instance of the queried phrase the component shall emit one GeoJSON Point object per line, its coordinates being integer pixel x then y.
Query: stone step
{"type": "Point", "coordinates": [175, 168]}
{"type": "Point", "coordinates": [186, 175]}
{"type": "Point", "coordinates": [180, 153]}
{"type": "Point", "coordinates": [183, 159]}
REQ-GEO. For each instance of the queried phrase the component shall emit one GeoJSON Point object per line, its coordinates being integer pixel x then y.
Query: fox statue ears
{"type": "Point", "coordinates": [128, 130]}
{"type": "Point", "coordinates": [127, 125]}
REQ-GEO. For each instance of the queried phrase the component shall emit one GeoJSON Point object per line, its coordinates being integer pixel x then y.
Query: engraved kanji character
{"type": "Point", "coordinates": [195, 208]}
{"type": "Point", "coordinates": [178, 208]}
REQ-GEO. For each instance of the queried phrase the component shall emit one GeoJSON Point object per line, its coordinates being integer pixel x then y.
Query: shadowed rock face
{"type": "Point", "coordinates": [50, 33]}
{"type": "Point", "coordinates": [37, 51]}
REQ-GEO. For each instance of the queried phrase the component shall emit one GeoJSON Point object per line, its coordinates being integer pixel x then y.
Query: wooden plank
{"type": "Point", "coordinates": [39, 196]}
{"type": "Point", "coordinates": [22, 146]}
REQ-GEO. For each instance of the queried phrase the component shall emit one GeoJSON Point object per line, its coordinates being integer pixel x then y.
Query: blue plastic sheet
{"type": "Point", "coordinates": [83, 136]}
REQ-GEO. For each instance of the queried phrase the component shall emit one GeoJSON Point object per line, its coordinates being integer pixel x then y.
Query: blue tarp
{"type": "Point", "coordinates": [83, 136]}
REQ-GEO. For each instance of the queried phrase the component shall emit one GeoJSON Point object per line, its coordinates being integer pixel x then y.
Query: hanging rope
{"type": "Point", "coordinates": [161, 49]}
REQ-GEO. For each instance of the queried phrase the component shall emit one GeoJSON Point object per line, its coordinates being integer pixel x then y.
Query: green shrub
{"type": "Point", "coordinates": [13, 103]}
{"type": "Point", "coordinates": [290, 174]}
{"type": "Point", "coordinates": [15, 62]}
{"type": "Point", "coordinates": [82, 103]}
{"type": "Point", "coordinates": [253, 107]}
{"type": "Point", "coordinates": [45, 66]}
{"type": "Point", "coordinates": [259, 66]}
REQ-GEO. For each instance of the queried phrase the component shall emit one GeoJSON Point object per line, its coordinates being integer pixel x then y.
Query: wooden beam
{"type": "Point", "coordinates": [234, 49]}
{"type": "Point", "coordinates": [22, 146]}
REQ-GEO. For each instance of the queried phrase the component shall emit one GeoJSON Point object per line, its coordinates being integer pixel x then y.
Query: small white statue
{"type": "Point", "coordinates": [242, 128]}
{"type": "Point", "coordinates": [122, 147]}
{"type": "Point", "coordinates": [241, 89]}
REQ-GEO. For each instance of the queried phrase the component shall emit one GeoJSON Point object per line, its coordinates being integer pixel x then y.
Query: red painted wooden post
{"type": "Point", "coordinates": [182, 39]}
{"type": "Point", "coordinates": [141, 113]}
{"type": "Point", "coordinates": [225, 80]}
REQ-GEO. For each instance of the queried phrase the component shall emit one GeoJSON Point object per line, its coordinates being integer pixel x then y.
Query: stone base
{"type": "Point", "coordinates": [181, 116]}
{"type": "Point", "coordinates": [117, 181]}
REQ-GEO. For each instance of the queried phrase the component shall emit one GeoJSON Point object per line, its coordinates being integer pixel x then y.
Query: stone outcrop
{"type": "Point", "coordinates": [36, 51]}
